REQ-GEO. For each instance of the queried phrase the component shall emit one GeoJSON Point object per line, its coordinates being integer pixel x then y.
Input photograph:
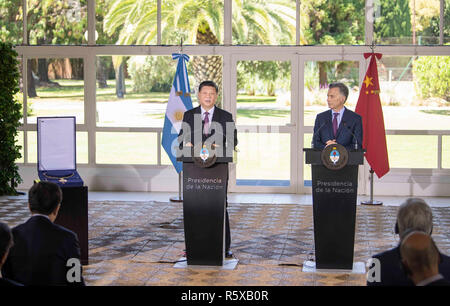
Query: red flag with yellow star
{"type": "Point", "coordinates": [369, 107]}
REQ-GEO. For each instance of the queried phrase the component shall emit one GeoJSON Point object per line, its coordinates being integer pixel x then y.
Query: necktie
{"type": "Point", "coordinates": [206, 124]}
{"type": "Point", "coordinates": [335, 124]}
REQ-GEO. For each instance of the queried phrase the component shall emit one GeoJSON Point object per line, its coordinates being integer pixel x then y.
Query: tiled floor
{"type": "Point", "coordinates": [135, 238]}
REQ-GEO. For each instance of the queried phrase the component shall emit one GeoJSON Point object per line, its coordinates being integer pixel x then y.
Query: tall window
{"type": "Point", "coordinates": [407, 22]}
{"type": "Point", "coordinates": [57, 22]}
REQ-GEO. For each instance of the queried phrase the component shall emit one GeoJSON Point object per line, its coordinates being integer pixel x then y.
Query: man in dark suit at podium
{"type": "Point", "coordinates": [42, 250]}
{"type": "Point", "coordinates": [338, 124]}
{"type": "Point", "coordinates": [205, 121]}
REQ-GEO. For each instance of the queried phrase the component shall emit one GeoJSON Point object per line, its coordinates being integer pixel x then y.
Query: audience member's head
{"type": "Point", "coordinates": [420, 256]}
{"type": "Point", "coordinates": [45, 198]}
{"type": "Point", "coordinates": [414, 214]}
{"type": "Point", "coordinates": [6, 242]}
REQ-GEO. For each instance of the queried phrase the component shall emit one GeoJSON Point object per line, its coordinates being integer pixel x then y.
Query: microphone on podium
{"type": "Point", "coordinates": [354, 137]}
{"type": "Point", "coordinates": [315, 133]}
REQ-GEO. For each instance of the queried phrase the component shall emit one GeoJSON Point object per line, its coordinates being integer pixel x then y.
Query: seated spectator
{"type": "Point", "coordinates": [6, 242]}
{"type": "Point", "coordinates": [41, 248]}
{"type": "Point", "coordinates": [420, 260]}
{"type": "Point", "coordinates": [413, 214]}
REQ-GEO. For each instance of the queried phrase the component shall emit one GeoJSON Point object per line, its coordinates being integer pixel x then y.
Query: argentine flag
{"type": "Point", "coordinates": [179, 102]}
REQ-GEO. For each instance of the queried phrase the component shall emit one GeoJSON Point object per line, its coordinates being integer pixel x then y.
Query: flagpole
{"type": "Point", "coordinates": [179, 198]}
{"type": "Point", "coordinates": [371, 201]}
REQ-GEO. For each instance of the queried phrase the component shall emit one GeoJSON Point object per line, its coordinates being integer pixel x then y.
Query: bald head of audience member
{"type": "Point", "coordinates": [420, 256]}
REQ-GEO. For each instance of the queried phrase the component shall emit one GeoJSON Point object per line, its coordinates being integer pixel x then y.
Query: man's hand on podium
{"type": "Point", "coordinates": [331, 141]}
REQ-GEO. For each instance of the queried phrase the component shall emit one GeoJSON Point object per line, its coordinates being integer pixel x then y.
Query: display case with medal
{"type": "Point", "coordinates": [56, 142]}
{"type": "Point", "coordinates": [56, 155]}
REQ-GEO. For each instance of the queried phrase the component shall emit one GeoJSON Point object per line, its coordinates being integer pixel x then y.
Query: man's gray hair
{"type": "Point", "coordinates": [414, 214]}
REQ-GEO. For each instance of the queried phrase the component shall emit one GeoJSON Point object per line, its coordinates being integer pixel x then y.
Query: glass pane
{"type": "Point", "coordinates": [136, 93]}
{"type": "Point", "coordinates": [306, 167]}
{"type": "Point", "coordinates": [445, 152]}
{"type": "Point", "coordinates": [11, 21]}
{"type": "Point", "coordinates": [196, 22]}
{"type": "Point", "coordinates": [139, 97]}
{"type": "Point", "coordinates": [406, 22]}
{"type": "Point", "coordinates": [82, 147]}
{"type": "Point", "coordinates": [56, 88]}
{"type": "Point", "coordinates": [331, 22]}
{"type": "Point", "coordinates": [126, 148]}
{"type": "Point", "coordinates": [411, 151]}
{"type": "Point", "coordinates": [317, 77]}
{"type": "Point", "coordinates": [19, 142]}
{"type": "Point", "coordinates": [121, 22]}
{"type": "Point", "coordinates": [415, 92]}
{"type": "Point", "coordinates": [263, 92]}
{"type": "Point", "coordinates": [62, 22]}
{"type": "Point", "coordinates": [32, 146]}
{"type": "Point", "coordinates": [255, 150]}
{"type": "Point", "coordinates": [165, 160]}
{"type": "Point", "coordinates": [258, 22]}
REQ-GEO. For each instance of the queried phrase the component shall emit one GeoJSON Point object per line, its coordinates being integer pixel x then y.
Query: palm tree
{"type": "Point", "coordinates": [201, 22]}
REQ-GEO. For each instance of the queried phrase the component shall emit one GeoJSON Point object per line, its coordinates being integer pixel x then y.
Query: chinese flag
{"type": "Point", "coordinates": [369, 108]}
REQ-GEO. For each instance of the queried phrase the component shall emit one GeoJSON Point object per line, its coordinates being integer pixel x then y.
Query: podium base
{"type": "Point", "coordinates": [228, 264]}
{"type": "Point", "coordinates": [310, 267]}
{"type": "Point", "coordinates": [373, 202]}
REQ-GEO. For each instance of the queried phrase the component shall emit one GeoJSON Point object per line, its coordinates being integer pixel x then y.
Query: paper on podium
{"type": "Point", "coordinates": [56, 139]}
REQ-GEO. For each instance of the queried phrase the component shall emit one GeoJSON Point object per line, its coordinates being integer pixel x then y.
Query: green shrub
{"type": "Point", "coordinates": [432, 75]}
{"type": "Point", "coordinates": [10, 114]}
{"type": "Point", "coordinates": [18, 96]}
{"type": "Point", "coordinates": [151, 73]}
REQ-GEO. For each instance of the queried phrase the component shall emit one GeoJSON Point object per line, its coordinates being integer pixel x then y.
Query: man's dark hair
{"type": "Point", "coordinates": [208, 83]}
{"type": "Point", "coordinates": [6, 239]}
{"type": "Point", "coordinates": [343, 89]}
{"type": "Point", "coordinates": [43, 197]}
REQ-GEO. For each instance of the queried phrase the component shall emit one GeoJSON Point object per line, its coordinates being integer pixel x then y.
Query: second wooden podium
{"type": "Point", "coordinates": [334, 190]}
{"type": "Point", "coordinates": [204, 204]}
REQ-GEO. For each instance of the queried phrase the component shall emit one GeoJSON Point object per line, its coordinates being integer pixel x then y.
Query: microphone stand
{"type": "Point", "coordinates": [371, 201]}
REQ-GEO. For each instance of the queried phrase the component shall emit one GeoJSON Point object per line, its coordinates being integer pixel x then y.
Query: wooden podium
{"type": "Point", "coordinates": [334, 194]}
{"type": "Point", "coordinates": [204, 204]}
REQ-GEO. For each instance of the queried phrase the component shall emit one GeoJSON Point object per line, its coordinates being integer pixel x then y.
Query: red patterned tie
{"type": "Point", "coordinates": [206, 124]}
{"type": "Point", "coordinates": [335, 124]}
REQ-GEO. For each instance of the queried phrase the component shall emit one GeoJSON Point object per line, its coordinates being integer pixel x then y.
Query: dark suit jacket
{"type": "Point", "coordinates": [221, 123]}
{"type": "Point", "coordinates": [351, 123]}
{"type": "Point", "coordinates": [392, 273]}
{"type": "Point", "coordinates": [40, 253]}
{"type": "Point", "coordinates": [4, 282]}
{"type": "Point", "coordinates": [440, 282]}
